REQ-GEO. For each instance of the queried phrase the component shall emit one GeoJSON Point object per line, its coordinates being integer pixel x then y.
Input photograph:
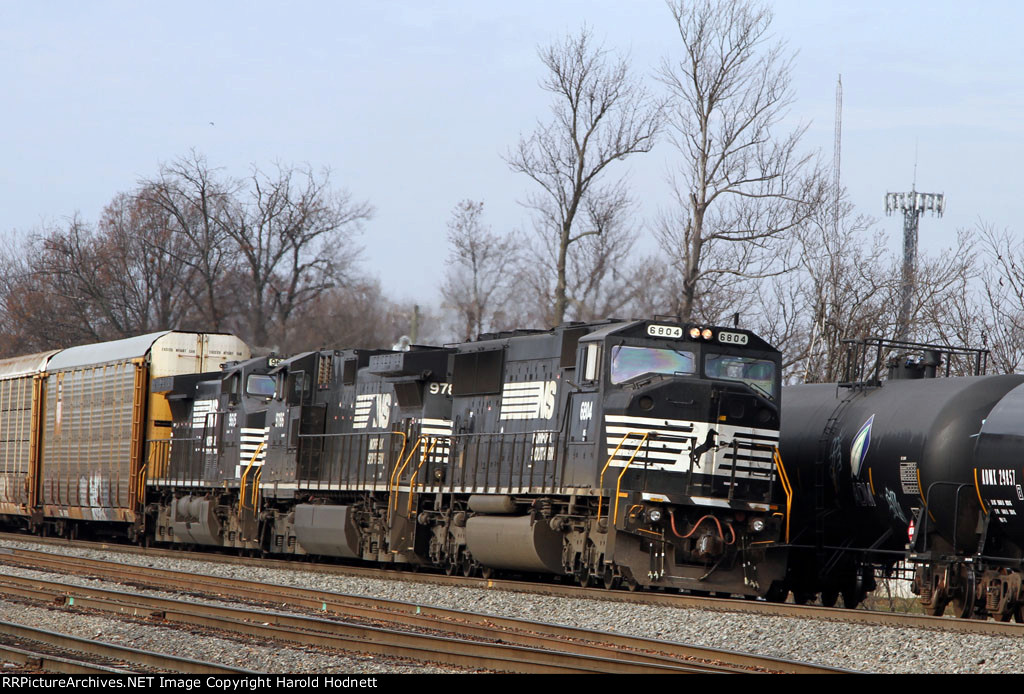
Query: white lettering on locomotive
{"type": "Point", "coordinates": [664, 331]}
{"type": "Point", "coordinates": [728, 338]}
{"type": "Point", "coordinates": [586, 410]}
{"type": "Point", "coordinates": [376, 404]}
{"type": "Point", "coordinates": [528, 400]}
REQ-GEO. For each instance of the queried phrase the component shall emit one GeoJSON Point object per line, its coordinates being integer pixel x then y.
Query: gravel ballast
{"type": "Point", "coordinates": [857, 647]}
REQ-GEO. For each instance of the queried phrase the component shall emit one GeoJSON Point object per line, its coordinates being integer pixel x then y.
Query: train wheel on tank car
{"type": "Point", "coordinates": [963, 602]}
{"type": "Point", "coordinates": [609, 579]}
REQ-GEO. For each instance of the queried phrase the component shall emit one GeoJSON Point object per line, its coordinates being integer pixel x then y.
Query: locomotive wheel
{"type": "Point", "coordinates": [829, 597]}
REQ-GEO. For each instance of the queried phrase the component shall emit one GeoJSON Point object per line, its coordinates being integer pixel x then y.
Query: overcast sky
{"type": "Point", "coordinates": [412, 104]}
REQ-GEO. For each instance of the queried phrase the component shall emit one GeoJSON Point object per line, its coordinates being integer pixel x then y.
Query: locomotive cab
{"type": "Point", "coordinates": [685, 419]}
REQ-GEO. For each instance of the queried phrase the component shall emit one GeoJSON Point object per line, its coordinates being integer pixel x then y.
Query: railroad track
{"type": "Point", "coordinates": [50, 651]}
{"type": "Point", "coordinates": [858, 616]}
{"type": "Point", "coordinates": [369, 625]}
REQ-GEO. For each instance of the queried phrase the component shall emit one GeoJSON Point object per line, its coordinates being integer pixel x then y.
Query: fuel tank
{"type": "Point", "coordinates": [884, 450]}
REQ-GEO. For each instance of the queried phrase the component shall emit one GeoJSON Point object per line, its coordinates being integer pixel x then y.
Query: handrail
{"type": "Point", "coordinates": [396, 476]}
{"type": "Point", "coordinates": [618, 484]}
{"type": "Point", "coordinates": [256, 488]}
{"type": "Point", "coordinates": [252, 461]}
{"type": "Point", "coordinates": [628, 463]}
{"type": "Point", "coordinates": [142, 480]}
{"type": "Point", "coordinates": [423, 459]}
{"type": "Point", "coordinates": [786, 486]}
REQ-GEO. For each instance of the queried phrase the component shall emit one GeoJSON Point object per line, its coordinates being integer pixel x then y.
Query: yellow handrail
{"type": "Point", "coordinates": [396, 476]}
{"type": "Point", "coordinates": [415, 474]}
{"type": "Point", "coordinates": [256, 488]}
{"type": "Point", "coordinates": [142, 481]}
{"type": "Point", "coordinates": [252, 461]}
{"type": "Point", "coordinates": [784, 478]}
{"type": "Point", "coordinates": [618, 484]}
{"type": "Point", "coordinates": [628, 463]}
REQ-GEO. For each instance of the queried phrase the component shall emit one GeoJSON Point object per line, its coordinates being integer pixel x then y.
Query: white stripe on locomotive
{"type": "Point", "coordinates": [669, 448]}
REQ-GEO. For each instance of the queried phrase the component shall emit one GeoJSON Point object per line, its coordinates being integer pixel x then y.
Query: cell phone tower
{"type": "Point", "coordinates": [912, 205]}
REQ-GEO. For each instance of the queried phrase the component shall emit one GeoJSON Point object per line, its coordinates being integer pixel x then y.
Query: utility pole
{"type": "Point", "coordinates": [912, 205]}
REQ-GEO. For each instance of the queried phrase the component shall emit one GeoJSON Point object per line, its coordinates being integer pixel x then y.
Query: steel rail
{"type": "Point", "coordinates": [47, 662]}
{"type": "Point", "coordinates": [858, 616]}
{"type": "Point", "coordinates": [510, 630]}
{"type": "Point", "coordinates": [319, 632]}
{"type": "Point", "coordinates": [113, 651]}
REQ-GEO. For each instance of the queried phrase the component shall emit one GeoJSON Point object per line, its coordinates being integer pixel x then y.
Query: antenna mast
{"type": "Point", "coordinates": [911, 204]}
{"type": "Point", "coordinates": [837, 153]}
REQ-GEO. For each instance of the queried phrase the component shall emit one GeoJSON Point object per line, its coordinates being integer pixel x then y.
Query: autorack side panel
{"type": "Point", "coordinates": [19, 408]}
{"type": "Point", "coordinates": [99, 412]}
{"type": "Point", "coordinates": [89, 448]}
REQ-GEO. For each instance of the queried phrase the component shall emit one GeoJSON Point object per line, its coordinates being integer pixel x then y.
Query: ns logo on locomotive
{"type": "Point", "coordinates": [640, 453]}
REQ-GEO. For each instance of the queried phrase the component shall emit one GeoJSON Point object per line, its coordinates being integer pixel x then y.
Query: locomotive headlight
{"type": "Point", "coordinates": [757, 524]}
{"type": "Point", "coordinates": [706, 333]}
{"type": "Point", "coordinates": [654, 515]}
{"type": "Point", "coordinates": [694, 333]}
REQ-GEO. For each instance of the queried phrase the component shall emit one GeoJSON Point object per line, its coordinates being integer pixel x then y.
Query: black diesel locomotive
{"type": "Point", "coordinates": [915, 467]}
{"type": "Point", "coordinates": [639, 452]}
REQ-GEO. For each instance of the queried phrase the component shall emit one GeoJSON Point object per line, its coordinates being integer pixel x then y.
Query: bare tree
{"type": "Point", "coordinates": [482, 269]}
{"type": "Point", "coordinates": [600, 114]}
{"type": "Point", "coordinates": [846, 285]}
{"type": "Point", "coordinates": [196, 204]}
{"type": "Point", "coordinates": [1002, 297]}
{"type": "Point", "coordinates": [602, 278]}
{"type": "Point", "coordinates": [153, 275]}
{"type": "Point", "coordinates": [294, 237]}
{"type": "Point", "coordinates": [741, 186]}
{"type": "Point", "coordinates": [359, 315]}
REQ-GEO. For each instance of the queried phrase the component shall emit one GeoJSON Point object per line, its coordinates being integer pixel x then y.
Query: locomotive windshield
{"type": "Point", "coordinates": [630, 362]}
{"type": "Point", "coordinates": [757, 373]}
{"type": "Point", "coordinates": [260, 385]}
